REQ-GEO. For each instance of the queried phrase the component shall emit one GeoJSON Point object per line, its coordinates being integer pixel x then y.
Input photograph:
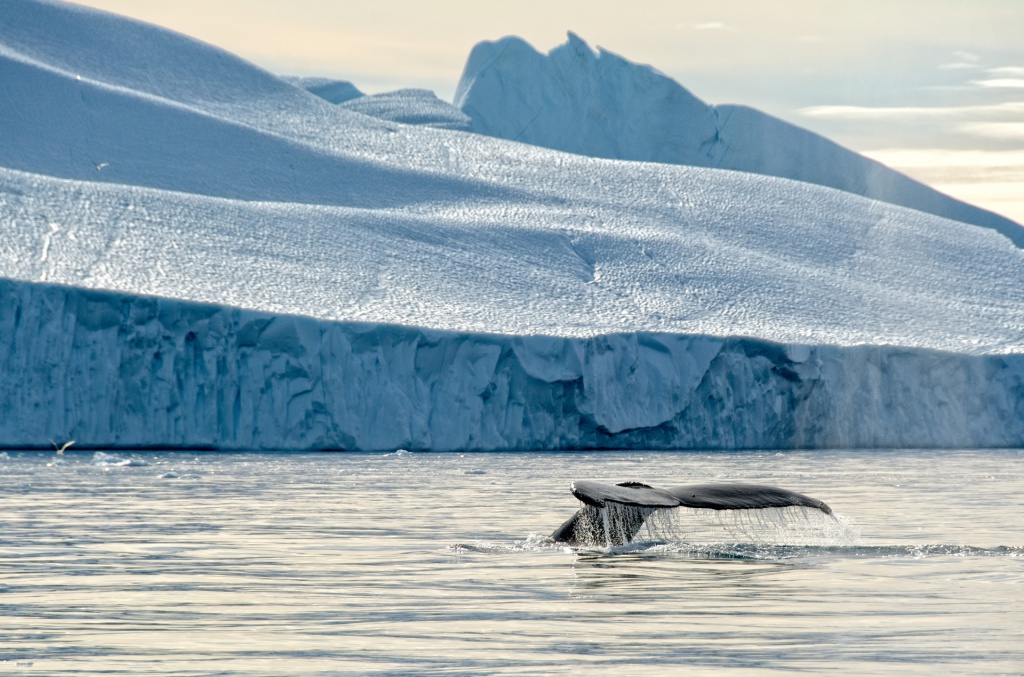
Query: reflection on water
{"type": "Point", "coordinates": [270, 564]}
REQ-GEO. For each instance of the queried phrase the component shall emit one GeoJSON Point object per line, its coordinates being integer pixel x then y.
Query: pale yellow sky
{"type": "Point", "coordinates": [941, 78]}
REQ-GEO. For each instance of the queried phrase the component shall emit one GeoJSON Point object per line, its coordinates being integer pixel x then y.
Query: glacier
{"type": "Point", "coordinates": [597, 103]}
{"type": "Point", "coordinates": [200, 254]}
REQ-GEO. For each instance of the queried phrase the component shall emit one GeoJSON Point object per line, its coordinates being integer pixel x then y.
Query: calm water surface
{"type": "Point", "coordinates": [333, 564]}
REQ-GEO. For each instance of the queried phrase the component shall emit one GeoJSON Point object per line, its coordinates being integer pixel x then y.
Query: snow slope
{"type": "Point", "coordinates": [628, 248]}
{"type": "Point", "coordinates": [281, 272]}
{"type": "Point", "coordinates": [599, 104]}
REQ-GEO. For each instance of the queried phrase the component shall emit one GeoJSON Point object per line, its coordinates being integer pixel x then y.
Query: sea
{"type": "Point", "coordinates": [401, 563]}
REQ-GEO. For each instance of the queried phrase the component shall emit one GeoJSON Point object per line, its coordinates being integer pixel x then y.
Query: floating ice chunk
{"type": "Point", "coordinates": [101, 458]}
{"type": "Point", "coordinates": [4, 456]}
{"type": "Point", "coordinates": [170, 476]}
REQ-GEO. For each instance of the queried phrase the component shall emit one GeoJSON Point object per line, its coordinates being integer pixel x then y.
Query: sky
{"type": "Point", "coordinates": [933, 88]}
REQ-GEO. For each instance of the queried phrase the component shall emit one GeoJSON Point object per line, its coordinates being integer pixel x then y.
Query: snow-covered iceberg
{"type": "Point", "coordinates": [599, 104]}
{"type": "Point", "coordinates": [411, 107]}
{"type": "Point", "coordinates": [328, 89]}
{"type": "Point", "coordinates": [199, 254]}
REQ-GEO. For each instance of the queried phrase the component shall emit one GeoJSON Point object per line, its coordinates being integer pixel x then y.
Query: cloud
{"type": "Point", "coordinates": [1010, 109]}
{"type": "Point", "coordinates": [1000, 83]}
{"type": "Point", "coordinates": [1006, 72]}
{"type": "Point", "coordinates": [988, 179]}
{"type": "Point", "coordinates": [997, 126]}
{"type": "Point", "coordinates": [1003, 131]}
{"type": "Point", "coordinates": [712, 26]}
{"type": "Point", "coordinates": [959, 65]}
{"type": "Point", "coordinates": [949, 158]}
{"type": "Point", "coordinates": [964, 60]}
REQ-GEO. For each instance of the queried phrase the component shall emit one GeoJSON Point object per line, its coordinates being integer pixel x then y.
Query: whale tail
{"type": "Point", "coordinates": [614, 513]}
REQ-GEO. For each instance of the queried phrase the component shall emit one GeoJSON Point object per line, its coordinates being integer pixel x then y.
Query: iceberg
{"type": "Point", "coordinates": [334, 91]}
{"type": "Point", "coordinates": [411, 107]}
{"type": "Point", "coordinates": [599, 104]}
{"type": "Point", "coordinates": [199, 254]}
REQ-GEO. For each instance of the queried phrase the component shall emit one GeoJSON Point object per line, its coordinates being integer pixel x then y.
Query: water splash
{"type": "Point", "coordinates": [532, 543]}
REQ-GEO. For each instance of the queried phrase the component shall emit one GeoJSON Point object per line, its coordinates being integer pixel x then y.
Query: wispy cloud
{"type": "Point", "coordinates": [963, 60]}
{"type": "Point", "coordinates": [942, 157]}
{"type": "Point", "coordinates": [990, 179]}
{"type": "Point", "coordinates": [999, 110]}
{"type": "Point", "coordinates": [1006, 72]}
{"type": "Point", "coordinates": [1000, 83]}
{"type": "Point", "coordinates": [712, 26]}
{"type": "Point", "coordinates": [1003, 131]}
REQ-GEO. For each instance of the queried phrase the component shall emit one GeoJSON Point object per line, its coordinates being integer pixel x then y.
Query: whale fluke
{"type": "Point", "coordinates": [614, 513]}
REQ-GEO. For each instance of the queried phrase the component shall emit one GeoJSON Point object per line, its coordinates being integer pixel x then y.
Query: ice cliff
{"type": "Point", "coordinates": [599, 104]}
{"type": "Point", "coordinates": [111, 370]}
{"type": "Point", "coordinates": [197, 253]}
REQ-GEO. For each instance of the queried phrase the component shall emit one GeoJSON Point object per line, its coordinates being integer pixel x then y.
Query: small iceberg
{"type": "Point", "coordinates": [104, 459]}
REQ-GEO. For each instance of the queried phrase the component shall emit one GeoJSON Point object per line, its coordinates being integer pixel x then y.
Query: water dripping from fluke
{"type": "Point", "coordinates": [618, 515]}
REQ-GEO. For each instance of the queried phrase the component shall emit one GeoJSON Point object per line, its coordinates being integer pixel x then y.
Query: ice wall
{"type": "Point", "coordinates": [110, 370]}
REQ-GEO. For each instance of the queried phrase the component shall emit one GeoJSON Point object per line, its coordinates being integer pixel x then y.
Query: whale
{"type": "Point", "coordinates": [612, 514]}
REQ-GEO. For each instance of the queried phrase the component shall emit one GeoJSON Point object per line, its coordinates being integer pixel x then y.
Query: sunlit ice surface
{"type": "Point", "coordinates": [399, 563]}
